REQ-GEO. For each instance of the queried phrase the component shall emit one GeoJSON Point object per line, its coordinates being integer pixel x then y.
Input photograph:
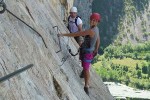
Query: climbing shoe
{"type": "Point", "coordinates": [82, 74]}
{"type": "Point", "coordinates": [86, 90]}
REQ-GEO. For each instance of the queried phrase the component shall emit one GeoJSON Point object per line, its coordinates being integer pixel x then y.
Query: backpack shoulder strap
{"type": "Point", "coordinates": [68, 23]}
{"type": "Point", "coordinates": [68, 19]}
{"type": "Point", "coordinates": [76, 20]}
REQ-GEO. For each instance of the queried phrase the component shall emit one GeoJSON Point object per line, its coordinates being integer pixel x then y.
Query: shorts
{"type": "Point", "coordinates": [86, 60]}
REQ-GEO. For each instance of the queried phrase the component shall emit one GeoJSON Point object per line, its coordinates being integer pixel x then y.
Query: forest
{"type": "Point", "coordinates": [128, 64]}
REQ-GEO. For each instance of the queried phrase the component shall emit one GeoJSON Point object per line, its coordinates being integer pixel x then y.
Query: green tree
{"type": "Point", "coordinates": [137, 66]}
{"type": "Point", "coordinates": [139, 75]}
{"type": "Point", "coordinates": [144, 69]}
{"type": "Point", "coordinates": [148, 69]}
{"type": "Point", "coordinates": [147, 58]}
{"type": "Point", "coordinates": [135, 55]}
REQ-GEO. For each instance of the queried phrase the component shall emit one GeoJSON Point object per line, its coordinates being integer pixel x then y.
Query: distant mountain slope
{"type": "Point", "coordinates": [123, 21]}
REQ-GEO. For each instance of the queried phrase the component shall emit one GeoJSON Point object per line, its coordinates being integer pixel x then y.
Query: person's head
{"type": "Point", "coordinates": [73, 12]}
{"type": "Point", "coordinates": [94, 19]}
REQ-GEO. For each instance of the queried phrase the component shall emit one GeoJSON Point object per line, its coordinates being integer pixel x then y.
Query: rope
{"type": "Point", "coordinates": [69, 49]}
{"type": "Point", "coordinates": [27, 25]}
{"type": "Point", "coordinates": [2, 6]}
{"type": "Point", "coordinates": [2, 79]}
{"type": "Point", "coordinates": [60, 49]}
{"type": "Point", "coordinates": [64, 59]}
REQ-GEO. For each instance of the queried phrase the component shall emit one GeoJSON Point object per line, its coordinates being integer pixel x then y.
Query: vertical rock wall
{"type": "Point", "coordinates": [55, 75]}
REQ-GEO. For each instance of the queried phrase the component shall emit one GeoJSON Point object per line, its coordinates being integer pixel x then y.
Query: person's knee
{"type": "Point", "coordinates": [86, 73]}
{"type": "Point", "coordinates": [86, 65]}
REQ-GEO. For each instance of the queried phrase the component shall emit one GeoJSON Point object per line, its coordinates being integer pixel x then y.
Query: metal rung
{"type": "Point", "coordinates": [2, 79]}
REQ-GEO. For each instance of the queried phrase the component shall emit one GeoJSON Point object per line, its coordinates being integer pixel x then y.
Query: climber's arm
{"type": "Point", "coordinates": [82, 33]}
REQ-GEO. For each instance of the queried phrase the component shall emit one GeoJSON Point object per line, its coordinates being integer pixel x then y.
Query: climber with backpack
{"type": "Point", "coordinates": [75, 24]}
{"type": "Point", "coordinates": [89, 47]}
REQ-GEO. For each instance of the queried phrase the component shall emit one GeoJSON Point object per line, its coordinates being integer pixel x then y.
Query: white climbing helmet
{"type": "Point", "coordinates": [73, 9]}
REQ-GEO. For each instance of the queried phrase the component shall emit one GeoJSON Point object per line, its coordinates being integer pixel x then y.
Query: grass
{"type": "Point", "coordinates": [127, 62]}
{"type": "Point", "coordinates": [98, 64]}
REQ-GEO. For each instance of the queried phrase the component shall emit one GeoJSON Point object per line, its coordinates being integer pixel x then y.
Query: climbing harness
{"type": "Point", "coordinates": [2, 79]}
{"type": "Point", "coordinates": [2, 7]}
{"type": "Point", "coordinates": [58, 39]}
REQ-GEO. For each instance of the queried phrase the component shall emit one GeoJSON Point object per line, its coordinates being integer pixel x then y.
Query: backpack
{"type": "Point", "coordinates": [74, 22]}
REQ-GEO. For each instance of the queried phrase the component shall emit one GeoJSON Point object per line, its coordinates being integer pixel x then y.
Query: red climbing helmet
{"type": "Point", "coordinates": [95, 16]}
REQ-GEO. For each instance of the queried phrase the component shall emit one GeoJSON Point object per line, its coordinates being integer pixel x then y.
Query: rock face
{"type": "Point", "coordinates": [55, 75]}
{"type": "Point", "coordinates": [84, 11]}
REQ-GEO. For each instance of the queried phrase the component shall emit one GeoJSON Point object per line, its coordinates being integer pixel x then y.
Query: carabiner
{"type": "Point", "coordinates": [2, 7]}
{"type": "Point", "coordinates": [1, 1]}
